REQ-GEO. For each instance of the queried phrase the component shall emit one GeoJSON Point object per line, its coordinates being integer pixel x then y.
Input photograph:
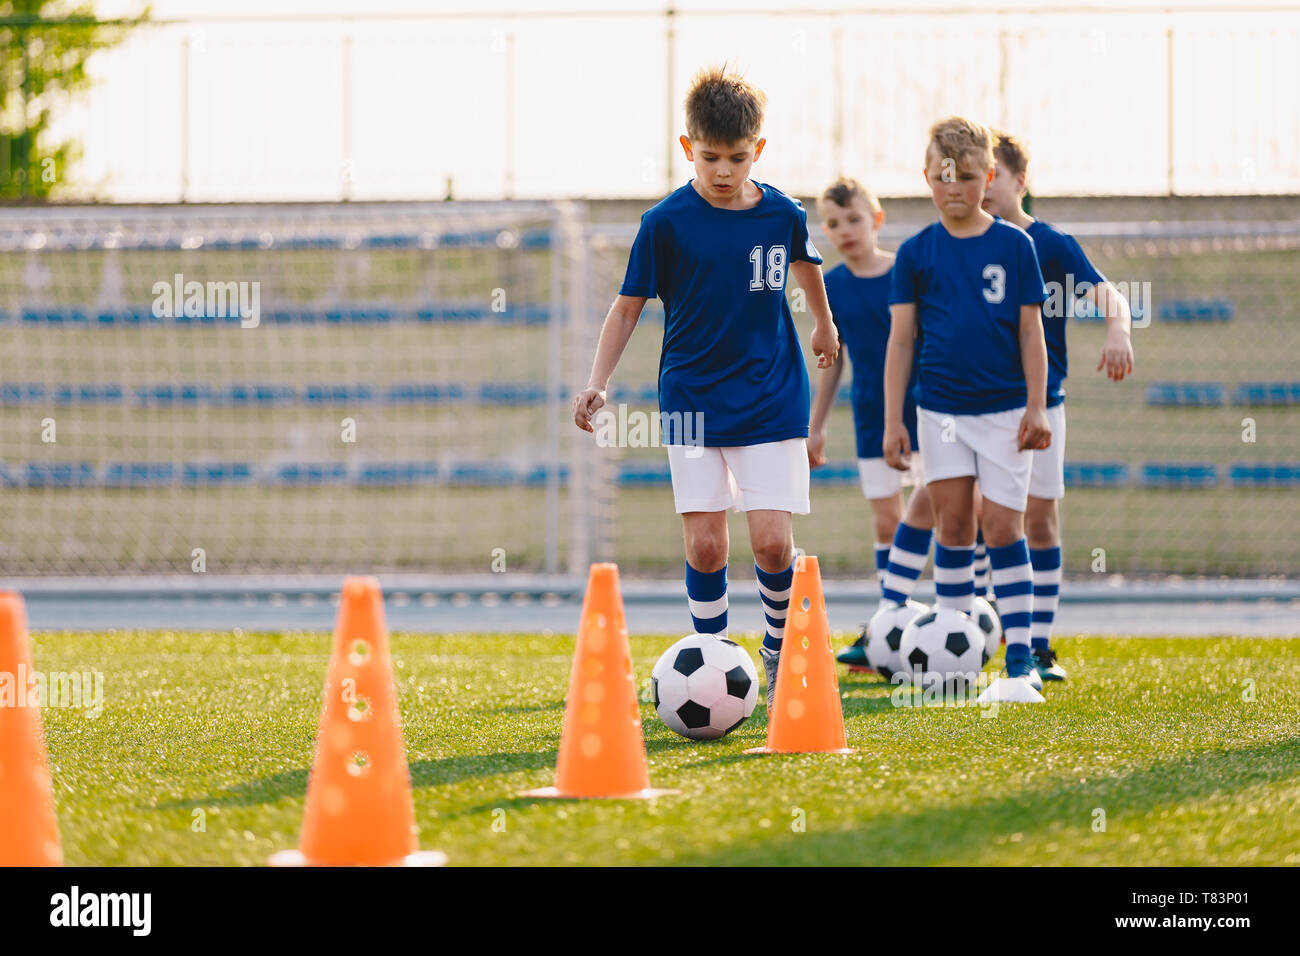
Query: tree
{"type": "Point", "coordinates": [44, 46]}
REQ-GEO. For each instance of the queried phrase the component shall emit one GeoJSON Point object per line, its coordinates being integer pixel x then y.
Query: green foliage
{"type": "Point", "coordinates": [44, 49]}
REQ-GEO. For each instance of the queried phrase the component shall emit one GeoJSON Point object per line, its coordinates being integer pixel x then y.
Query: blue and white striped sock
{"type": "Point", "coordinates": [954, 577]}
{"type": "Point", "coordinates": [882, 562]}
{"type": "Point", "coordinates": [1047, 593]}
{"type": "Point", "coordinates": [981, 567]}
{"type": "Point", "coordinates": [907, 558]}
{"type": "Point", "coordinates": [706, 593]}
{"type": "Point", "coordinates": [1014, 587]}
{"type": "Point", "coordinates": [774, 591]}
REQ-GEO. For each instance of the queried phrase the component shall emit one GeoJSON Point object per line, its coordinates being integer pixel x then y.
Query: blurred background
{"type": "Point", "coordinates": [432, 205]}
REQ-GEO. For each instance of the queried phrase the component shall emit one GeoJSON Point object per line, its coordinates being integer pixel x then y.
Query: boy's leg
{"type": "Point", "coordinates": [910, 549]}
{"type": "Point", "coordinates": [882, 487]}
{"type": "Point", "coordinates": [702, 491]}
{"type": "Point", "coordinates": [706, 570]}
{"type": "Point", "coordinates": [772, 482]}
{"type": "Point", "coordinates": [1043, 529]}
{"type": "Point", "coordinates": [954, 573]}
{"type": "Point", "coordinates": [981, 551]}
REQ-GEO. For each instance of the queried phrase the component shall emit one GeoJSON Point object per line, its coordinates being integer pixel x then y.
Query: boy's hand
{"type": "Point", "coordinates": [897, 446]}
{"type": "Point", "coordinates": [1117, 355]}
{"type": "Point", "coordinates": [585, 404]}
{"type": "Point", "coordinates": [826, 346]}
{"type": "Point", "coordinates": [1035, 433]}
{"type": "Point", "coordinates": [816, 447]}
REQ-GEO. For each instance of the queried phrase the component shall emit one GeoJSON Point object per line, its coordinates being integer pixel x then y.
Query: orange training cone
{"type": "Point", "coordinates": [806, 714]}
{"type": "Point", "coordinates": [29, 831]}
{"type": "Point", "coordinates": [359, 809]}
{"type": "Point", "coordinates": [602, 751]}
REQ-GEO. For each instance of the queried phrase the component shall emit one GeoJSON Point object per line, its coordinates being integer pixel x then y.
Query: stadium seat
{"type": "Point", "coordinates": [1196, 310]}
{"type": "Point", "coordinates": [1179, 475]}
{"type": "Point", "coordinates": [644, 474]}
{"type": "Point", "coordinates": [206, 473]}
{"type": "Point", "coordinates": [323, 394]}
{"type": "Point", "coordinates": [1257, 475]}
{"type": "Point", "coordinates": [635, 394]}
{"type": "Point", "coordinates": [59, 474]}
{"type": "Point", "coordinates": [138, 474]}
{"type": "Point", "coordinates": [311, 473]}
{"type": "Point", "coordinates": [1185, 394]}
{"type": "Point", "coordinates": [511, 393]}
{"type": "Point", "coordinates": [425, 393]}
{"type": "Point", "coordinates": [539, 476]}
{"type": "Point", "coordinates": [836, 473]}
{"type": "Point", "coordinates": [1266, 393]}
{"type": "Point", "coordinates": [482, 474]}
{"type": "Point", "coordinates": [173, 394]}
{"type": "Point", "coordinates": [1096, 474]}
{"type": "Point", "coordinates": [396, 473]}
{"type": "Point", "coordinates": [238, 393]}
{"type": "Point", "coordinates": [21, 393]}
{"type": "Point", "coordinates": [87, 394]}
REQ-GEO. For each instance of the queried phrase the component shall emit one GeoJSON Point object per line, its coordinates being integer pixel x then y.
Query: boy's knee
{"type": "Point", "coordinates": [1042, 527]}
{"type": "Point", "coordinates": [956, 529]}
{"type": "Point", "coordinates": [706, 551]}
{"type": "Point", "coordinates": [773, 554]}
{"type": "Point", "coordinates": [885, 528]}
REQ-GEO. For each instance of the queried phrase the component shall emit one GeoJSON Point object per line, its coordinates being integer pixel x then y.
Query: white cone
{"type": "Point", "coordinates": [1010, 690]}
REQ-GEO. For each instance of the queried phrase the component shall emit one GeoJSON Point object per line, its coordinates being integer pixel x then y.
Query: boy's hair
{"type": "Point", "coordinates": [846, 188]}
{"type": "Point", "coordinates": [722, 107]}
{"type": "Point", "coordinates": [956, 138]}
{"type": "Point", "coordinates": [1010, 152]}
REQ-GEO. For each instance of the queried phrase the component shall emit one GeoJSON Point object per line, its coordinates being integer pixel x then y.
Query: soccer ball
{"type": "Point", "coordinates": [704, 686]}
{"type": "Point", "coordinates": [885, 634]}
{"type": "Point", "coordinates": [989, 624]}
{"type": "Point", "coordinates": [942, 647]}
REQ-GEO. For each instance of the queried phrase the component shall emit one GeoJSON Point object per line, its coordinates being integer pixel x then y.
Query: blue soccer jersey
{"type": "Point", "coordinates": [1068, 275]}
{"type": "Point", "coordinates": [968, 293]}
{"type": "Point", "coordinates": [860, 307]}
{"type": "Point", "coordinates": [730, 351]}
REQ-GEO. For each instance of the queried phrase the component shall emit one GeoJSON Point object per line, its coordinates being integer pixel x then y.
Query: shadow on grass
{"type": "Point", "coordinates": [959, 834]}
{"type": "Point", "coordinates": [291, 783]}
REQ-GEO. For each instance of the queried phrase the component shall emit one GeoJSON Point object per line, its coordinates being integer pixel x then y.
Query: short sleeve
{"type": "Point", "coordinates": [1078, 264]}
{"type": "Point", "coordinates": [1032, 289]}
{"type": "Point", "coordinates": [801, 244]}
{"type": "Point", "coordinates": [643, 263]}
{"type": "Point", "coordinates": [904, 282]}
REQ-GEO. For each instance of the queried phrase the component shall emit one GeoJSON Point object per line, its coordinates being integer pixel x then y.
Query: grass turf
{"type": "Point", "coordinates": [1187, 745]}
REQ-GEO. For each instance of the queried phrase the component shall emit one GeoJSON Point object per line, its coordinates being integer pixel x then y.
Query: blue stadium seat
{"type": "Point", "coordinates": [242, 393]}
{"type": "Point", "coordinates": [311, 473]}
{"type": "Point", "coordinates": [539, 476]}
{"type": "Point", "coordinates": [1096, 474]}
{"type": "Point", "coordinates": [511, 393]}
{"type": "Point", "coordinates": [1266, 393]}
{"type": "Point", "coordinates": [644, 474]}
{"type": "Point", "coordinates": [836, 473]}
{"type": "Point", "coordinates": [1196, 310]}
{"type": "Point", "coordinates": [20, 393]}
{"type": "Point", "coordinates": [397, 473]}
{"type": "Point", "coordinates": [170, 393]}
{"type": "Point", "coordinates": [482, 473]}
{"type": "Point", "coordinates": [59, 474]}
{"type": "Point", "coordinates": [204, 473]}
{"type": "Point", "coordinates": [1179, 475]}
{"type": "Point", "coordinates": [425, 393]}
{"type": "Point", "coordinates": [647, 394]}
{"type": "Point", "coordinates": [87, 394]}
{"type": "Point", "coordinates": [139, 474]}
{"type": "Point", "coordinates": [1258, 475]}
{"type": "Point", "coordinates": [1185, 394]}
{"type": "Point", "coordinates": [318, 393]}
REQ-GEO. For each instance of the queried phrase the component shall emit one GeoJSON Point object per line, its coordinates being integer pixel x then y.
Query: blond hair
{"type": "Point", "coordinates": [722, 107]}
{"type": "Point", "coordinates": [958, 138]}
{"type": "Point", "coordinates": [1010, 152]}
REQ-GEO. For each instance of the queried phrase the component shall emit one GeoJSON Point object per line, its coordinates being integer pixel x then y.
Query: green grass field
{"type": "Point", "coordinates": [1189, 747]}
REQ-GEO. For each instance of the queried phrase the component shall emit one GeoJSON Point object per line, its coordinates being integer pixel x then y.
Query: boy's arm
{"type": "Point", "coordinates": [1035, 432]}
{"type": "Point", "coordinates": [1117, 352]}
{"type": "Point", "coordinates": [828, 383]}
{"type": "Point", "coordinates": [825, 339]}
{"type": "Point", "coordinates": [897, 446]}
{"type": "Point", "coordinates": [614, 334]}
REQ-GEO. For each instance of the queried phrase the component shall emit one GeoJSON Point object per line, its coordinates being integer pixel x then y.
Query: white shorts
{"type": "Point", "coordinates": [881, 481]}
{"type": "Point", "coordinates": [980, 446]}
{"type": "Point", "coordinates": [1047, 474]}
{"type": "Point", "coordinates": [772, 476]}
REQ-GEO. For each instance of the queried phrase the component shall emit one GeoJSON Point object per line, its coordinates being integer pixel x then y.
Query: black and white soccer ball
{"type": "Point", "coordinates": [704, 686]}
{"type": "Point", "coordinates": [943, 648]}
{"type": "Point", "coordinates": [885, 636]}
{"type": "Point", "coordinates": [990, 626]}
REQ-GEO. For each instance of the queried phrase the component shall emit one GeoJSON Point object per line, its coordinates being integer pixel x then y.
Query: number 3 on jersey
{"type": "Point", "coordinates": [997, 278]}
{"type": "Point", "coordinates": [775, 268]}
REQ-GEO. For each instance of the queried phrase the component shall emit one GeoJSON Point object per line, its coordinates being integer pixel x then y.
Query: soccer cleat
{"type": "Point", "coordinates": [1020, 663]}
{"type": "Point", "coordinates": [855, 655]}
{"type": "Point", "coordinates": [771, 659]}
{"type": "Point", "coordinates": [1045, 665]}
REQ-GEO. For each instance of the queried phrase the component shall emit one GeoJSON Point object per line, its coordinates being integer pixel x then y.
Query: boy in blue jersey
{"type": "Point", "coordinates": [858, 291]}
{"type": "Point", "coordinates": [966, 294]}
{"type": "Point", "coordinates": [1068, 275]}
{"type": "Point", "coordinates": [733, 385]}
